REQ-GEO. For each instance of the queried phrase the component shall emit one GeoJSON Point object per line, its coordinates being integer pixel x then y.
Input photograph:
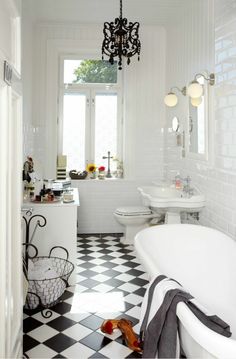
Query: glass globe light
{"type": "Point", "coordinates": [195, 89]}
{"type": "Point", "coordinates": [196, 101]}
{"type": "Point", "coordinates": [171, 99]}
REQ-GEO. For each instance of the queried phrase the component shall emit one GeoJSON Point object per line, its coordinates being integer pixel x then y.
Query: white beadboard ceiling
{"type": "Point", "coordinates": [158, 12]}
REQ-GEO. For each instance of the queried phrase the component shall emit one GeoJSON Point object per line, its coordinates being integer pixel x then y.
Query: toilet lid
{"type": "Point", "coordinates": [133, 211]}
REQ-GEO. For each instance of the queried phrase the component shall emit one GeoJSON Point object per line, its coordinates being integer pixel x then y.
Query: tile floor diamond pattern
{"type": "Point", "coordinates": [111, 283]}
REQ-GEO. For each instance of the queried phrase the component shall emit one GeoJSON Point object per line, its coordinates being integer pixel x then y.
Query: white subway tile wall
{"type": "Point", "coordinates": [28, 135]}
{"type": "Point", "coordinates": [216, 178]}
{"type": "Point", "coordinates": [99, 199]}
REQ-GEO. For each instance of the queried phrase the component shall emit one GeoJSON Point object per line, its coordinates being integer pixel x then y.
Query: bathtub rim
{"type": "Point", "coordinates": [215, 344]}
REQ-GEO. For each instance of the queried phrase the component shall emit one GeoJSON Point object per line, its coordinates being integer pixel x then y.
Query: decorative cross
{"type": "Point", "coordinates": [108, 157]}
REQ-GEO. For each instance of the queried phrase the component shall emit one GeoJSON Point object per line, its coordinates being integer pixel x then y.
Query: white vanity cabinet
{"type": "Point", "coordinates": [60, 229]}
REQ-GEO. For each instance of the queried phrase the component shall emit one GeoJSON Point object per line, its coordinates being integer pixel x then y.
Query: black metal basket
{"type": "Point", "coordinates": [45, 293]}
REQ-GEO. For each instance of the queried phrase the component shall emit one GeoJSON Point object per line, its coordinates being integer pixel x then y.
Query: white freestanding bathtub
{"type": "Point", "coordinates": [203, 260]}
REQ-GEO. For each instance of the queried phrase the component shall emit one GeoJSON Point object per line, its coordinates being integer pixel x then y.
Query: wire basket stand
{"type": "Point", "coordinates": [45, 292]}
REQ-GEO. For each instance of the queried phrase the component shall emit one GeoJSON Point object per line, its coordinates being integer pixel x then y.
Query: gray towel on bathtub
{"type": "Point", "coordinates": [160, 335]}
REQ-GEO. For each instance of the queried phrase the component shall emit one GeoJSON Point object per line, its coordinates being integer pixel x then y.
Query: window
{"type": "Point", "coordinates": [90, 112]}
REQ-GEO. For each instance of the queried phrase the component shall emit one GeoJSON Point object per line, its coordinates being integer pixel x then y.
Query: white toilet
{"type": "Point", "coordinates": [134, 219]}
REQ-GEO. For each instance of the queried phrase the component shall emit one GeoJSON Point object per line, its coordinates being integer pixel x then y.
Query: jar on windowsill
{"type": "Point", "coordinates": [93, 175]}
{"type": "Point", "coordinates": [101, 176]}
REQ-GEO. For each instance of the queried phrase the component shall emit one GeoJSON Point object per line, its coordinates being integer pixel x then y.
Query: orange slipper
{"type": "Point", "coordinates": [131, 339]}
{"type": "Point", "coordinates": [109, 325]}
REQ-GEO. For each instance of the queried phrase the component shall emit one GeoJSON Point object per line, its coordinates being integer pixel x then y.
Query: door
{"type": "Point", "coordinates": [11, 297]}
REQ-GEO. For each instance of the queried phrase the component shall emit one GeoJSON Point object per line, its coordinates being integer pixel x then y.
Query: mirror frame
{"type": "Point", "coordinates": [189, 153]}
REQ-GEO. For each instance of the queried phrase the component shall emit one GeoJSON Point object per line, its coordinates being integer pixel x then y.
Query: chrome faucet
{"type": "Point", "coordinates": [188, 191]}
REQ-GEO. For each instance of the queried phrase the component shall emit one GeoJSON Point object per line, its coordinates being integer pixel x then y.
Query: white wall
{"type": "Point", "coordinates": [8, 41]}
{"type": "Point", "coordinates": [27, 77]}
{"type": "Point", "coordinates": [190, 51]}
{"type": "Point", "coordinates": [144, 86]}
{"type": "Point", "coordinates": [98, 201]}
{"type": "Point", "coordinates": [143, 108]}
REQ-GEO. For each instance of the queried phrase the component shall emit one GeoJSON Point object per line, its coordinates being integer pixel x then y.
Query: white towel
{"type": "Point", "coordinates": [159, 328]}
{"type": "Point", "coordinates": [159, 294]}
{"type": "Point", "coordinates": [45, 282]}
{"type": "Point", "coordinates": [160, 291]}
{"type": "Point", "coordinates": [41, 269]}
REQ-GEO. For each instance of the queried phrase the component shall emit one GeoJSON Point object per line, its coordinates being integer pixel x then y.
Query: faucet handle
{"type": "Point", "coordinates": [191, 192]}
{"type": "Point", "coordinates": [187, 180]}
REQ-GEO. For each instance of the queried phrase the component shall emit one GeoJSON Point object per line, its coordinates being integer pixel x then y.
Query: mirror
{"type": "Point", "coordinates": [198, 124]}
{"type": "Point", "coordinates": [175, 124]}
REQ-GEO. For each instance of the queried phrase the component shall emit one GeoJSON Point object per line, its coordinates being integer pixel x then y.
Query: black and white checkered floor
{"type": "Point", "coordinates": [110, 284]}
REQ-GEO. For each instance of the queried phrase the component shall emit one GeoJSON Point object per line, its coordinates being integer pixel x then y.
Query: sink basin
{"type": "Point", "coordinates": [165, 199]}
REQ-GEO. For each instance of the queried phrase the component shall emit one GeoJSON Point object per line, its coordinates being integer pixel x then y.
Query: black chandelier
{"type": "Point", "coordinates": [121, 39]}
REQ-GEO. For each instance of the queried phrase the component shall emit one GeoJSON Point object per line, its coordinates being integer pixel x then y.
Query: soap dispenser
{"type": "Point", "coordinates": [178, 181]}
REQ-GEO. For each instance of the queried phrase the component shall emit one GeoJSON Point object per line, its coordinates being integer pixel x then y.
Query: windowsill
{"type": "Point", "coordinates": [112, 179]}
{"type": "Point", "coordinates": [116, 182]}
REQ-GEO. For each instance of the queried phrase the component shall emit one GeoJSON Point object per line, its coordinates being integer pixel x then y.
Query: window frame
{"type": "Point", "coordinates": [90, 90]}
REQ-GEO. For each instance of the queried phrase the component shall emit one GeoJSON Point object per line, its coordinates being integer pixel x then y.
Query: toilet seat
{"type": "Point", "coordinates": [133, 211]}
{"type": "Point", "coordinates": [133, 219]}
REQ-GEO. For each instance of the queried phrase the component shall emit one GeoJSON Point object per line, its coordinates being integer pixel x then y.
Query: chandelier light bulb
{"type": "Point", "coordinates": [195, 89]}
{"type": "Point", "coordinates": [171, 99]}
{"type": "Point", "coordinates": [196, 101]}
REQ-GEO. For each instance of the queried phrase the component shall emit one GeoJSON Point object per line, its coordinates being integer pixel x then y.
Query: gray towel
{"type": "Point", "coordinates": [160, 335]}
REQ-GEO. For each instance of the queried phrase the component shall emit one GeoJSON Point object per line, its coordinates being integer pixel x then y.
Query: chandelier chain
{"type": "Point", "coordinates": [121, 9]}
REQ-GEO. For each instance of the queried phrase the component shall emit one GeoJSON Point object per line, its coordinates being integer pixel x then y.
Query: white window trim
{"type": "Point", "coordinates": [90, 90]}
{"type": "Point", "coordinates": [48, 116]}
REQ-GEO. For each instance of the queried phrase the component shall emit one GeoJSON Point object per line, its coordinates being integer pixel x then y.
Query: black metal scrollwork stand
{"type": "Point", "coordinates": [27, 232]}
{"type": "Point", "coordinates": [46, 313]}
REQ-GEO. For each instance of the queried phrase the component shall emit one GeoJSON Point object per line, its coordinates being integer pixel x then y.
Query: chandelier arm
{"type": "Point", "coordinates": [133, 43]}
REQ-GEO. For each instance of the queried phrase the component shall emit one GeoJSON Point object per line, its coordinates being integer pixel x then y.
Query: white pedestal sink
{"type": "Point", "coordinates": [171, 201]}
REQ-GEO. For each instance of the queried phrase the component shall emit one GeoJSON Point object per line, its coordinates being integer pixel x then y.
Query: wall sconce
{"type": "Point", "coordinates": [195, 102]}
{"type": "Point", "coordinates": [195, 89]}
{"type": "Point", "coordinates": [171, 98]}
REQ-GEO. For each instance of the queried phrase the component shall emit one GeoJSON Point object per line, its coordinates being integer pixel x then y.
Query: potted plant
{"type": "Point", "coordinates": [101, 171]}
{"type": "Point", "coordinates": [91, 168]}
